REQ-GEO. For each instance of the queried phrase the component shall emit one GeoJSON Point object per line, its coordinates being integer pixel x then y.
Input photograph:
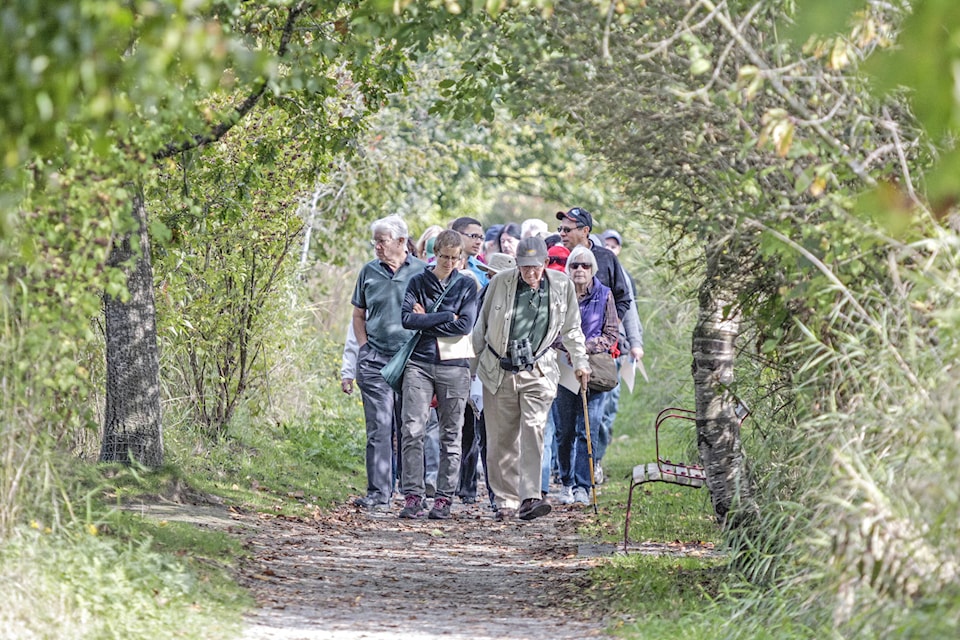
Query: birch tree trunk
{"type": "Point", "coordinates": [132, 430]}
{"type": "Point", "coordinates": [718, 425]}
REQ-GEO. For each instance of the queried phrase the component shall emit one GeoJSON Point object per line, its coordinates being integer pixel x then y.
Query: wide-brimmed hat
{"type": "Point", "coordinates": [497, 262]}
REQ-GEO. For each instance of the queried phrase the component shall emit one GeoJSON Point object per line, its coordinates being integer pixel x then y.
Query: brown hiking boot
{"type": "Point", "coordinates": [533, 508]}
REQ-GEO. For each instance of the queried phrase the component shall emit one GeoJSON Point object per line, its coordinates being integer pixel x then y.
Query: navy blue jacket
{"type": "Point", "coordinates": [614, 277]}
{"type": "Point", "coordinates": [461, 300]}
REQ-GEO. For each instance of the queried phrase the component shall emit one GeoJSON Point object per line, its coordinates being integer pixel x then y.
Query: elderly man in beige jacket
{"type": "Point", "coordinates": [524, 310]}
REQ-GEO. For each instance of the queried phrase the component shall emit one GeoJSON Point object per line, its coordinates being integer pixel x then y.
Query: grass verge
{"type": "Point", "coordinates": [127, 578]}
{"type": "Point", "coordinates": [666, 584]}
{"type": "Point", "coordinates": [93, 565]}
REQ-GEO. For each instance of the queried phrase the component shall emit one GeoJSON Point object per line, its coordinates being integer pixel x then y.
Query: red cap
{"type": "Point", "coordinates": [557, 257]}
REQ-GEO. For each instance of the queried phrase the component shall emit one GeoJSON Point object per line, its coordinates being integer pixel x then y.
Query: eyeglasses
{"type": "Point", "coordinates": [382, 241]}
{"type": "Point", "coordinates": [557, 260]}
{"type": "Point", "coordinates": [472, 236]}
{"type": "Point", "coordinates": [580, 265]}
{"type": "Point", "coordinates": [562, 229]}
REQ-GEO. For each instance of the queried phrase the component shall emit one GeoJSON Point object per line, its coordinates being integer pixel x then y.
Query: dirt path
{"type": "Point", "coordinates": [348, 575]}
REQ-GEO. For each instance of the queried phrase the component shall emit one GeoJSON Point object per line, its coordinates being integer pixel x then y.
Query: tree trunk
{"type": "Point", "coordinates": [718, 422]}
{"type": "Point", "coordinates": [132, 431]}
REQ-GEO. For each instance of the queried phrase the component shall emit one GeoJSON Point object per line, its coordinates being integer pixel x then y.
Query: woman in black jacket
{"type": "Point", "coordinates": [437, 368]}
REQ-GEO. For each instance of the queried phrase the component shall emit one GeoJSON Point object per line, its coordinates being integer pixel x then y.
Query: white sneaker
{"type": "Point", "coordinates": [566, 495]}
{"type": "Point", "coordinates": [597, 474]}
{"type": "Point", "coordinates": [580, 495]}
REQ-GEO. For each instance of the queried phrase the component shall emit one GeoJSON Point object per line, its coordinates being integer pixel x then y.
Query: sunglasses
{"type": "Point", "coordinates": [580, 265]}
{"type": "Point", "coordinates": [563, 229]}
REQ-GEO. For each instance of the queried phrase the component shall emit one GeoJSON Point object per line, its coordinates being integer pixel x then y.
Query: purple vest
{"type": "Point", "coordinates": [592, 309]}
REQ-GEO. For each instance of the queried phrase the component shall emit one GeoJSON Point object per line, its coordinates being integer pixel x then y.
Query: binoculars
{"type": "Point", "coordinates": [519, 356]}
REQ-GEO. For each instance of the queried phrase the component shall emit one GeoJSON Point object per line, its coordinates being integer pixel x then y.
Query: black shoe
{"type": "Point", "coordinates": [371, 503]}
{"type": "Point", "coordinates": [533, 508]}
{"type": "Point", "coordinates": [468, 499]}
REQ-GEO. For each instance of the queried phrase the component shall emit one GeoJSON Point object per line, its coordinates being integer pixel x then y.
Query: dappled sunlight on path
{"type": "Point", "coordinates": [348, 575]}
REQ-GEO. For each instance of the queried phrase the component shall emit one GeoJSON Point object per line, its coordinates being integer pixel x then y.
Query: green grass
{"type": "Point", "coordinates": [84, 563]}
{"type": "Point", "coordinates": [290, 468]}
{"type": "Point", "coordinates": [692, 594]}
{"type": "Point", "coordinates": [657, 596]}
{"type": "Point", "coordinates": [661, 512]}
{"type": "Point", "coordinates": [89, 569]}
{"type": "Point", "coordinates": [118, 582]}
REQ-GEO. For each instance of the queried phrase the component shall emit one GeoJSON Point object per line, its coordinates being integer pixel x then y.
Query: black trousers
{"type": "Point", "coordinates": [473, 448]}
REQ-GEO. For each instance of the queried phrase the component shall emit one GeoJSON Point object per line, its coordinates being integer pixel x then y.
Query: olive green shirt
{"type": "Point", "coordinates": [531, 313]}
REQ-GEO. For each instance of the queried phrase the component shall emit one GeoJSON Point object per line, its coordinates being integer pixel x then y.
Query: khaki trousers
{"type": "Point", "coordinates": [516, 415]}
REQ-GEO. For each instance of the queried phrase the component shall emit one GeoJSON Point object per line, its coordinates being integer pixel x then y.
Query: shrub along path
{"type": "Point", "coordinates": [346, 575]}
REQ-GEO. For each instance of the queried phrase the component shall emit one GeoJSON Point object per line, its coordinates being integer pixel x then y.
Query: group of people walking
{"type": "Point", "coordinates": [502, 328]}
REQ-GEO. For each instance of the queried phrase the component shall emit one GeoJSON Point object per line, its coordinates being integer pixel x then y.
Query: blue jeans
{"type": "Point", "coordinates": [572, 455]}
{"type": "Point", "coordinates": [606, 423]}
{"type": "Point", "coordinates": [549, 448]}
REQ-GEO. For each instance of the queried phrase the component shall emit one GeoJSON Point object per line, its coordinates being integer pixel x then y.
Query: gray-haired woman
{"type": "Point", "coordinates": [598, 321]}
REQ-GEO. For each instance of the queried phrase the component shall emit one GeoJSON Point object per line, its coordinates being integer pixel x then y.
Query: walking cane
{"type": "Point", "coordinates": [586, 423]}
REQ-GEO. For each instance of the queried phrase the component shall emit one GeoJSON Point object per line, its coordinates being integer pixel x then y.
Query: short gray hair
{"type": "Point", "coordinates": [393, 225]}
{"type": "Point", "coordinates": [581, 253]}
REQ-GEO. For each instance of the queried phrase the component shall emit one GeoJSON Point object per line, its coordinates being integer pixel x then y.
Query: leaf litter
{"type": "Point", "coordinates": [349, 575]}
{"type": "Point", "coordinates": [345, 574]}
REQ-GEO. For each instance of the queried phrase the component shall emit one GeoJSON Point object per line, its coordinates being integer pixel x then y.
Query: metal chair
{"type": "Point", "coordinates": [691, 475]}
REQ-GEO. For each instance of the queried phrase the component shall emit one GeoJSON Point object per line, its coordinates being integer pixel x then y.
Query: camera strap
{"type": "Point", "coordinates": [494, 352]}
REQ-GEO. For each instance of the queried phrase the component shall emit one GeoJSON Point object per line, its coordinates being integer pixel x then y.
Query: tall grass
{"type": "Point", "coordinates": [19, 435]}
{"type": "Point", "coordinates": [78, 584]}
{"type": "Point", "coordinates": [858, 495]}
{"type": "Point", "coordinates": [36, 423]}
{"type": "Point", "coordinates": [853, 444]}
